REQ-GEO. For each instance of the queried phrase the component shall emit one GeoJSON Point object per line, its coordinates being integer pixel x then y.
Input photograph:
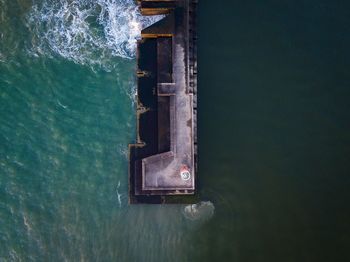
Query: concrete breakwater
{"type": "Point", "coordinates": [163, 161]}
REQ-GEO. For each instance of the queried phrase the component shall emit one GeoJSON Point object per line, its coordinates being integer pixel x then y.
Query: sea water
{"type": "Point", "coordinates": [273, 134]}
{"type": "Point", "coordinates": [67, 115]}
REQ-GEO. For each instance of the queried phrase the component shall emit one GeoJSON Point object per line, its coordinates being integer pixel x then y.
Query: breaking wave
{"type": "Point", "coordinates": [86, 31]}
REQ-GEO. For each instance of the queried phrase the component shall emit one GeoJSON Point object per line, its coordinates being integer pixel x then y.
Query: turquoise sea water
{"type": "Point", "coordinates": [274, 134]}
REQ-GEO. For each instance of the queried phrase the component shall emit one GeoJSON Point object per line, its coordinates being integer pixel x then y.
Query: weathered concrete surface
{"type": "Point", "coordinates": [162, 171]}
{"type": "Point", "coordinates": [158, 174]}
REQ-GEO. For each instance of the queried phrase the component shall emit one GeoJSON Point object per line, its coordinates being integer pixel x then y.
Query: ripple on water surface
{"type": "Point", "coordinates": [67, 115]}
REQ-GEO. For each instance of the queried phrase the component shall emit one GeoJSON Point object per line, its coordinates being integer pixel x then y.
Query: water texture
{"type": "Point", "coordinates": [274, 138]}
{"type": "Point", "coordinates": [67, 115]}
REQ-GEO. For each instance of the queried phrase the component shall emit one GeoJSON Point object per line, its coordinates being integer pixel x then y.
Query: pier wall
{"type": "Point", "coordinates": [163, 161]}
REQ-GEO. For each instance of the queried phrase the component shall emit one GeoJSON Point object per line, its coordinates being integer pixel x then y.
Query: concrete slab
{"type": "Point", "coordinates": [171, 171]}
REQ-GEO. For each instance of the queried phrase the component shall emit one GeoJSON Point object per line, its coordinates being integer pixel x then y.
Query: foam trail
{"type": "Point", "coordinates": [88, 32]}
{"type": "Point", "coordinates": [60, 104]}
{"type": "Point", "coordinates": [119, 195]}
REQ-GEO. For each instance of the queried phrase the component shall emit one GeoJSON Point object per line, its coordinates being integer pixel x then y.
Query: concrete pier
{"type": "Point", "coordinates": [163, 162]}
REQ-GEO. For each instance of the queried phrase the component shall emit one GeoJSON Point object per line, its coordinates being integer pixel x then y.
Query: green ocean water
{"type": "Point", "coordinates": [274, 134]}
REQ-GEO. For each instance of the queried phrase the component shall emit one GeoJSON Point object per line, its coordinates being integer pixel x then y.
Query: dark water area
{"type": "Point", "coordinates": [274, 130]}
{"type": "Point", "coordinates": [274, 135]}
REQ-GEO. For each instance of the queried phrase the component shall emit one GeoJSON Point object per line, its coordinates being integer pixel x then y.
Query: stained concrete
{"type": "Point", "coordinates": [160, 174]}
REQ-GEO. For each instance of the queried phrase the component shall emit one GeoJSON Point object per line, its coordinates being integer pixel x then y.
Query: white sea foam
{"type": "Point", "coordinates": [119, 195]}
{"type": "Point", "coordinates": [200, 212]}
{"type": "Point", "coordinates": [122, 151]}
{"type": "Point", "coordinates": [86, 31]}
{"type": "Point", "coordinates": [27, 225]}
{"type": "Point", "coordinates": [61, 105]}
